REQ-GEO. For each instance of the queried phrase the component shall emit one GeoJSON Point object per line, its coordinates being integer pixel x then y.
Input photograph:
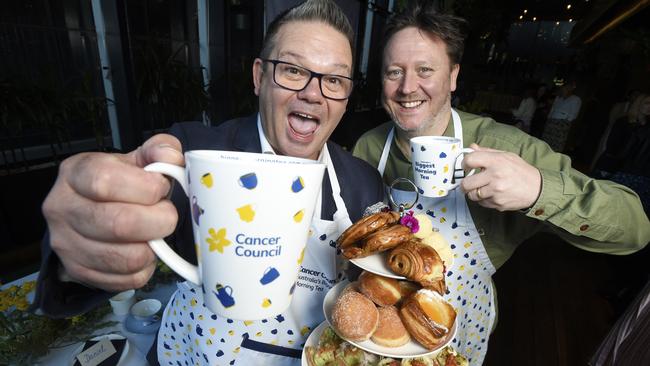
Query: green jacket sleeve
{"type": "Point", "coordinates": [595, 215]}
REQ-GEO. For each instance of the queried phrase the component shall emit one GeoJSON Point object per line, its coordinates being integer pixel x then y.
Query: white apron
{"type": "Point", "coordinates": [468, 280]}
{"type": "Point", "coordinates": [191, 333]}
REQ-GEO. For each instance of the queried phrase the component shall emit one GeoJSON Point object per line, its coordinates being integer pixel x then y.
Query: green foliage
{"type": "Point", "coordinates": [25, 336]}
{"type": "Point", "coordinates": [167, 88]}
{"type": "Point", "coordinates": [45, 105]}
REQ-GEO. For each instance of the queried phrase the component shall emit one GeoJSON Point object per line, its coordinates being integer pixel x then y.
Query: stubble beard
{"type": "Point", "coordinates": [430, 123]}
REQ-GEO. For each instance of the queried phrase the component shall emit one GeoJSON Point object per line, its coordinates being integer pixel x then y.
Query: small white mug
{"type": "Point", "coordinates": [435, 161]}
{"type": "Point", "coordinates": [122, 302]}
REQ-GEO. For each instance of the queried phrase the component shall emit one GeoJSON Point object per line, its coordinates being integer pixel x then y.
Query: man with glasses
{"type": "Point", "coordinates": [104, 207]}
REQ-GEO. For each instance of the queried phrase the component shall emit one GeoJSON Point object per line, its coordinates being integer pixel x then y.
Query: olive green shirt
{"type": "Point", "coordinates": [595, 215]}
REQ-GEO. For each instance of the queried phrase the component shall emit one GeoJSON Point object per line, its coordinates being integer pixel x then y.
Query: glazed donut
{"type": "Point", "coordinates": [428, 317]}
{"type": "Point", "coordinates": [390, 331]}
{"type": "Point", "coordinates": [354, 316]}
{"type": "Point", "coordinates": [383, 291]}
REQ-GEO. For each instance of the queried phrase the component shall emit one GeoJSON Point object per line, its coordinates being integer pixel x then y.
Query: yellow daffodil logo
{"type": "Point", "coordinates": [217, 240]}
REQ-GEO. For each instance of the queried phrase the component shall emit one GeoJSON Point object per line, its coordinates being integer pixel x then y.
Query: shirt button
{"type": "Point", "coordinates": [539, 211]}
{"type": "Point", "coordinates": [584, 227]}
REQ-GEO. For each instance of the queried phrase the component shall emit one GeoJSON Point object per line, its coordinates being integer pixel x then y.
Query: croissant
{"type": "Point", "coordinates": [386, 238]}
{"type": "Point", "coordinates": [420, 263]}
{"type": "Point", "coordinates": [428, 317]}
{"type": "Point", "coordinates": [366, 226]}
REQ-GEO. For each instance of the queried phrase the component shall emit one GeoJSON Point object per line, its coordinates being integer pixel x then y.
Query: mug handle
{"type": "Point", "coordinates": [179, 265]}
{"type": "Point", "coordinates": [458, 166]}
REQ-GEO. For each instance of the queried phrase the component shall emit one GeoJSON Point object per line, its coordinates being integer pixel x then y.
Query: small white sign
{"type": "Point", "coordinates": [97, 353]}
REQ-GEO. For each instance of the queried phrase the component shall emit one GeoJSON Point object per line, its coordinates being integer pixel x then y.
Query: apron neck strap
{"type": "Point", "coordinates": [459, 196]}
{"type": "Point", "coordinates": [341, 212]}
{"type": "Point", "coordinates": [384, 154]}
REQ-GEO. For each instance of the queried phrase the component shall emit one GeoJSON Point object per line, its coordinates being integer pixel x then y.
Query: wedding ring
{"type": "Point", "coordinates": [478, 193]}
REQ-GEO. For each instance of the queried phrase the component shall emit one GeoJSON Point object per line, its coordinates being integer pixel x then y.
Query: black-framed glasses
{"type": "Point", "coordinates": [296, 78]}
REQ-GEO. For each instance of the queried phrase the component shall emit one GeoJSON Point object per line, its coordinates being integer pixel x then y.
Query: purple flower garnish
{"type": "Point", "coordinates": [410, 222]}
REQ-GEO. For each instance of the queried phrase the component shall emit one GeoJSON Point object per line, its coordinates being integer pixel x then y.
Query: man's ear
{"type": "Point", "coordinates": [258, 71]}
{"type": "Point", "coordinates": [453, 76]}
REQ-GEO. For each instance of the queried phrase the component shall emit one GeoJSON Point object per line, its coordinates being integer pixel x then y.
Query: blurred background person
{"type": "Point", "coordinates": [523, 115]}
{"type": "Point", "coordinates": [564, 111]}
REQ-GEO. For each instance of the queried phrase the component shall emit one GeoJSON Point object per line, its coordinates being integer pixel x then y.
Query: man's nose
{"type": "Point", "coordinates": [311, 92]}
{"type": "Point", "coordinates": [409, 83]}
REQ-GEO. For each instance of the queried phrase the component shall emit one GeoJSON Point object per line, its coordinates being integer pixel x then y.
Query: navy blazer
{"type": "Point", "coordinates": [361, 186]}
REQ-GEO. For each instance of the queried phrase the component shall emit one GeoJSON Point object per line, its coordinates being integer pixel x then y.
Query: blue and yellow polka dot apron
{"type": "Point", "coordinates": [192, 335]}
{"type": "Point", "coordinates": [469, 283]}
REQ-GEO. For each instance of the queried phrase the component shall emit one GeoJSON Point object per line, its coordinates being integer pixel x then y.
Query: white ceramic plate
{"type": "Point", "coordinates": [377, 264]}
{"type": "Point", "coordinates": [411, 349]}
{"type": "Point", "coordinates": [122, 359]}
{"type": "Point", "coordinates": [312, 340]}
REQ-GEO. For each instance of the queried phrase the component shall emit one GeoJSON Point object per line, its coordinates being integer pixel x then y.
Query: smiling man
{"type": "Point", "coordinates": [104, 207]}
{"type": "Point", "coordinates": [523, 186]}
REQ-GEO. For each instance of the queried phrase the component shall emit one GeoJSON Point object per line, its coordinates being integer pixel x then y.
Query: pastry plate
{"type": "Point", "coordinates": [411, 349]}
{"type": "Point", "coordinates": [377, 264]}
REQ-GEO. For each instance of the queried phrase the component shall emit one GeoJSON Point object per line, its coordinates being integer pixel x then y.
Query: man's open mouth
{"type": "Point", "coordinates": [303, 125]}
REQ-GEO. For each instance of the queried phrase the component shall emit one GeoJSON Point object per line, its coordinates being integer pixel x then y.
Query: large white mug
{"type": "Point", "coordinates": [435, 161]}
{"type": "Point", "coordinates": [250, 216]}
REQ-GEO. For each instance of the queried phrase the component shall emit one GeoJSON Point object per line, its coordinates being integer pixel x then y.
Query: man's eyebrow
{"type": "Point", "coordinates": [301, 58]}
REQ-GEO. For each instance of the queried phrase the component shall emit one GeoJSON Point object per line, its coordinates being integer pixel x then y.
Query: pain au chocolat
{"type": "Point", "coordinates": [372, 234]}
{"type": "Point", "coordinates": [420, 263]}
{"type": "Point", "coordinates": [428, 317]}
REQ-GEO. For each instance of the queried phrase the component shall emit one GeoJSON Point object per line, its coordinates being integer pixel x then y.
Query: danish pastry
{"type": "Point", "coordinates": [428, 317]}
